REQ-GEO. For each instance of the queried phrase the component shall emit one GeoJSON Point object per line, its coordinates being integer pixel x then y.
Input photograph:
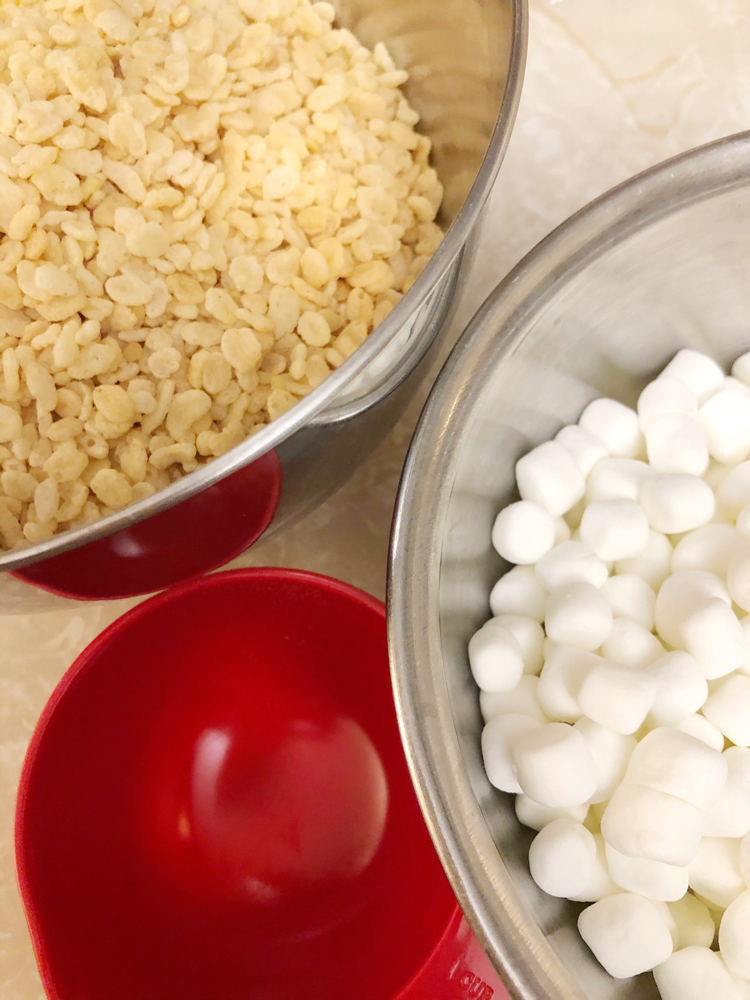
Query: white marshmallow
{"type": "Point", "coordinates": [615, 529]}
{"type": "Point", "coordinates": [675, 763]}
{"type": "Point", "coordinates": [710, 548]}
{"type": "Point", "coordinates": [729, 816]}
{"type": "Point", "coordinates": [714, 872]}
{"type": "Point", "coordinates": [679, 596]}
{"type": "Point", "coordinates": [728, 708]}
{"type": "Point", "coordinates": [738, 577]}
{"type": "Point", "coordinates": [564, 670]}
{"type": "Point", "coordinates": [699, 727]}
{"type": "Point", "coordinates": [577, 614]}
{"type": "Point", "coordinates": [701, 374]}
{"type": "Point", "coordinates": [570, 562]}
{"type": "Point", "coordinates": [554, 765]}
{"type": "Point", "coordinates": [615, 425]}
{"type": "Point", "coordinates": [733, 493]}
{"type": "Point", "coordinates": [519, 592]}
{"type": "Point", "coordinates": [696, 973]}
{"type": "Point", "coordinates": [631, 597]}
{"type": "Point", "coordinates": [669, 920]}
{"type": "Point", "coordinates": [617, 697]}
{"type": "Point", "coordinates": [681, 688]}
{"type": "Point", "coordinates": [626, 933]}
{"type": "Point", "coordinates": [743, 523]}
{"type": "Point", "coordinates": [725, 419]}
{"type": "Point", "coordinates": [744, 859]}
{"type": "Point", "coordinates": [529, 636]}
{"type": "Point", "coordinates": [631, 645]}
{"type": "Point", "coordinates": [651, 879]}
{"type": "Point", "coordinates": [497, 739]}
{"type": "Point", "coordinates": [616, 479]}
{"type": "Point", "coordinates": [676, 502]}
{"type": "Point", "coordinates": [662, 397]}
{"type": "Point", "coordinates": [562, 530]}
{"type": "Point", "coordinates": [521, 700]}
{"type": "Point", "coordinates": [549, 476]}
{"type": "Point", "coordinates": [695, 925]}
{"type": "Point", "coordinates": [741, 368]}
{"type": "Point", "coordinates": [600, 884]}
{"type": "Point", "coordinates": [537, 816]}
{"type": "Point", "coordinates": [676, 443]}
{"type": "Point", "coordinates": [611, 752]}
{"type": "Point", "coordinates": [496, 658]}
{"type": "Point", "coordinates": [712, 634]}
{"type": "Point", "coordinates": [523, 532]}
{"type": "Point", "coordinates": [653, 564]}
{"type": "Point", "coordinates": [585, 449]}
{"type": "Point", "coordinates": [715, 475]}
{"type": "Point", "coordinates": [562, 857]}
{"type": "Point", "coordinates": [734, 935]}
{"type": "Point", "coordinates": [641, 822]}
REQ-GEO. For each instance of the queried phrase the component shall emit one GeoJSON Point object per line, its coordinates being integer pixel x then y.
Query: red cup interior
{"type": "Point", "coordinates": [216, 806]}
{"type": "Point", "coordinates": [193, 537]}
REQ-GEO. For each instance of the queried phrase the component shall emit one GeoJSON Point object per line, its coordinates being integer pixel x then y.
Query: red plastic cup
{"type": "Point", "coordinates": [194, 537]}
{"type": "Point", "coordinates": [215, 805]}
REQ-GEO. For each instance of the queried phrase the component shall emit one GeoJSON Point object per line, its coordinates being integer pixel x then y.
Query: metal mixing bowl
{"type": "Point", "coordinates": [598, 308]}
{"type": "Point", "coordinates": [465, 59]}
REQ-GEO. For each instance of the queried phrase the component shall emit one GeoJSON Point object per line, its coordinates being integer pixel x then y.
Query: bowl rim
{"type": "Point", "coordinates": [321, 403]}
{"type": "Point", "coordinates": [514, 942]}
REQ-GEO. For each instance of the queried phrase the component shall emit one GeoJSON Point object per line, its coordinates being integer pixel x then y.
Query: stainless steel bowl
{"type": "Point", "coordinates": [466, 60]}
{"type": "Point", "coordinates": [598, 308]}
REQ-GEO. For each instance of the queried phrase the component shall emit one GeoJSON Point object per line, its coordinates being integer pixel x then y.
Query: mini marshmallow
{"type": "Point", "coordinates": [725, 419]}
{"type": "Point", "coordinates": [734, 935]}
{"type": "Point", "coordinates": [699, 727]}
{"type": "Point", "coordinates": [697, 973]}
{"type": "Point", "coordinates": [585, 449]}
{"type": "Point", "coordinates": [631, 645]}
{"type": "Point", "coordinates": [616, 479]}
{"type": "Point", "coordinates": [615, 529]}
{"type": "Point", "coordinates": [663, 397]}
{"type": "Point", "coordinates": [701, 374]}
{"type": "Point", "coordinates": [710, 548]}
{"type": "Point", "coordinates": [641, 822]}
{"type": "Point", "coordinates": [676, 443]}
{"type": "Point", "coordinates": [577, 614]}
{"type": "Point", "coordinates": [521, 700]}
{"type": "Point", "coordinates": [676, 502]}
{"type": "Point", "coordinates": [626, 933]}
{"type": "Point", "coordinates": [729, 816]}
{"type": "Point", "coordinates": [611, 752]}
{"type": "Point", "coordinates": [615, 425]}
{"type": "Point", "coordinates": [741, 368]}
{"type": "Point", "coordinates": [523, 532]}
{"type": "Point", "coordinates": [600, 883]}
{"type": "Point", "coordinates": [562, 857]}
{"type": "Point", "coordinates": [631, 597]}
{"type": "Point", "coordinates": [651, 879]}
{"type": "Point", "coordinates": [733, 493]}
{"type": "Point", "coordinates": [528, 634]}
{"type": "Point", "coordinates": [681, 688]}
{"type": "Point", "coordinates": [738, 577]}
{"type": "Point", "coordinates": [679, 596]}
{"type": "Point", "coordinates": [570, 562]}
{"type": "Point", "coordinates": [562, 531]}
{"type": "Point", "coordinates": [617, 697]}
{"type": "Point", "coordinates": [497, 739]}
{"type": "Point", "coordinates": [714, 872]}
{"type": "Point", "coordinates": [564, 670]}
{"type": "Point", "coordinates": [695, 925]}
{"type": "Point", "coordinates": [554, 765]}
{"type": "Point", "coordinates": [712, 634]}
{"type": "Point", "coordinates": [496, 658]}
{"type": "Point", "coordinates": [653, 564]}
{"type": "Point", "coordinates": [728, 708]}
{"type": "Point", "coordinates": [537, 816]}
{"type": "Point", "coordinates": [744, 858]}
{"type": "Point", "coordinates": [519, 592]}
{"type": "Point", "coordinates": [743, 523]}
{"type": "Point", "coordinates": [549, 476]}
{"type": "Point", "coordinates": [675, 763]}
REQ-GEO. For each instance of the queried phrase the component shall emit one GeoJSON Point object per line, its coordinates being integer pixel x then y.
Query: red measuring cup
{"type": "Point", "coordinates": [215, 805]}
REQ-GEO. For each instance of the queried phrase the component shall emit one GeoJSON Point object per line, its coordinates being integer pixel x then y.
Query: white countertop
{"type": "Point", "coordinates": [612, 87]}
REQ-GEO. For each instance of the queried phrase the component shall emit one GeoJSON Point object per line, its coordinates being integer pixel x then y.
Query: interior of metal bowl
{"type": "Point", "coordinates": [597, 309]}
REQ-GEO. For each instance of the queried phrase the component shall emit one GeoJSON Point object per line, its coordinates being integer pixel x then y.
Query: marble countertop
{"type": "Point", "coordinates": [611, 88]}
